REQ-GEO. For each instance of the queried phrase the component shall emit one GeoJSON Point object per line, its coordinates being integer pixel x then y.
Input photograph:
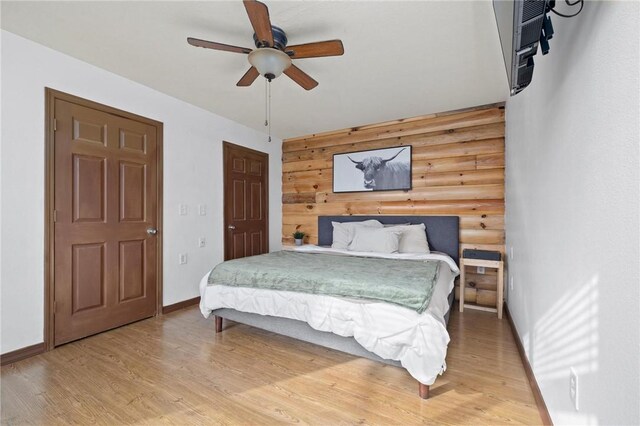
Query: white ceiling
{"type": "Point", "coordinates": [402, 59]}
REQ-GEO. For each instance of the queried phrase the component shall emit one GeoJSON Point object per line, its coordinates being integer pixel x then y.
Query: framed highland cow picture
{"type": "Point", "coordinates": [387, 169]}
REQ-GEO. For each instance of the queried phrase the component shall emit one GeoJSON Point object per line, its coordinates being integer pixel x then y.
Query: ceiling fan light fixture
{"type": "Point", "coordinates": [269, 62]}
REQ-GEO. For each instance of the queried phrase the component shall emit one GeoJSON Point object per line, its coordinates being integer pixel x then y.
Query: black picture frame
{"type": "Point", "coordinates": [349, 176]}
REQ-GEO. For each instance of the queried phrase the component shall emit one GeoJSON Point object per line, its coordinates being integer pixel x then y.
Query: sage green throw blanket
{"type": "Point", "coordinates": [407, 283]}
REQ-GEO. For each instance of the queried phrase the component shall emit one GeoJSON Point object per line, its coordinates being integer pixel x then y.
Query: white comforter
{"type": "Point", "coordinates": [418, 341]}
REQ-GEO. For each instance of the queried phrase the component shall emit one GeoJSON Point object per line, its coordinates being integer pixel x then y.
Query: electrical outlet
{"type": "Point", "coordinates": [182, 209]}
{"type": "Point", "coordinates": [481, 269]}
{"type": "Point", "coordinates": [202, 242]}
{"type": "Point", "coordinates": [182, 258]}
{"type": "Point", "coordinates": [510, 282]}
{"type": "Point", "coordinates": [202, 209]}
{"type": "Point", "coordinates": [573, 387]}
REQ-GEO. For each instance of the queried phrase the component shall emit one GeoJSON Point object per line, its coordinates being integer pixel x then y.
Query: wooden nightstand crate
{"type": "Point", "coordinates": [499, 266]}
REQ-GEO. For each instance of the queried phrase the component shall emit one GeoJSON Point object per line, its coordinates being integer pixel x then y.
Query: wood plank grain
{"type": "Point", "coordinates": [489, 161]}
{"type": "Point", "coordinates": [299, 166]}
{"type": "Point", "coordinates": [459, 177]}
{"type": "Point", "coordinates": [174, 369]}
{"type": "Point", "coordinates": [482, 236]}
{"type": "Point", "coordinates": [470, 294]}
{"type": "Point", "coordinates": [310, 174]}
{"type": "Point", "coordinates": [401, 120]}
{"type": "Point", "coordinates": [435, 124]}
{"type": "Point", "coordinates": [445, 165]}
{"type": "Point", "coordinates": [486, 297]}
{"type": "Point", "coordinates": [443, 137]}
{"type": "Point", "coordinates": [301, 220]}
{"type": "Point", "coordinates": [482, 221]}
{"type": "Point", "coordinates": [489, 154]}
{"type": "Point", "coordinates": [466, 177]}
{"type": "Point", "coordinates": [482, 281]}
{"type": "Point", "coordinates": [458, 149]}
{"type": "Point", "coordinates": [436, 193]}
{"type": "Point", "coordinates": [298, 197]}
{"type": "Point", "coordinates": [311, 185]}
{"type": "Point", "coordinates": [421, 207]}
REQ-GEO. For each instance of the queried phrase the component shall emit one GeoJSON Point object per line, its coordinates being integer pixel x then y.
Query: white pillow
{"type": "Point", "coordinates": [343, 232]}
{"type": "Point", "coordinates": [378, 240]}
{"type": "Point", "coordinates": [414, 239]}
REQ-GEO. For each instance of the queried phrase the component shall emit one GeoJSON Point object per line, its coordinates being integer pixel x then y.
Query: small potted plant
{"type": "Point", "coordinates": [298, 236]}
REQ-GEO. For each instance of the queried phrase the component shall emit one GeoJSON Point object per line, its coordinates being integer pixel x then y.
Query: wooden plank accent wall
{"type": "Point", "coordinates": [458, 169]}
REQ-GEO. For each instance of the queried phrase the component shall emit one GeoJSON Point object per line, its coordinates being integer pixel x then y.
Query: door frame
{"type": "Point", "coordinates": [51, 96]}
{"type": "Point", "coordinates": [228, 145]}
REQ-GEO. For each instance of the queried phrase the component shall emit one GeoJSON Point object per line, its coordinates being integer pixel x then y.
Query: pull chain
{"type": "Point", "coordinates": [267, 106]}
{"type": "Point", "coordinates": [266, 103]}
{"type": "Point", "coordinates": [269, 115]}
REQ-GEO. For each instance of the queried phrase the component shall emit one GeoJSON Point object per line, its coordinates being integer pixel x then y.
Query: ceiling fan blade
{"type": "Point", "coordinates": [317, 49]}
{"type": "Point", "coordinates": [300, 77]}
{"type": "Point", "coordinates": [259, 17]}
{"type": "Point", "coordinates": [248, 78]}
{"type": "Point", "coordinates": [217, 46]}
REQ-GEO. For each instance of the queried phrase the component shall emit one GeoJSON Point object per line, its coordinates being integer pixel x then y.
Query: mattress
{"type": "Point", "coordinates": [418, 341]}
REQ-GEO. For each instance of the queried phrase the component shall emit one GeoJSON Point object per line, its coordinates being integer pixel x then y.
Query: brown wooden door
{"type": "Point", "coordinates": [246, 208]}
{"type": "Point", "coordinates": [105, 197]}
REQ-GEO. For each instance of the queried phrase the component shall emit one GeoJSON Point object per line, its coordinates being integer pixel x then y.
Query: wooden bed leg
{"type": "Point", "coordinates": [423, 390]}
{"type": "Point", "coordinates": [218, 324]}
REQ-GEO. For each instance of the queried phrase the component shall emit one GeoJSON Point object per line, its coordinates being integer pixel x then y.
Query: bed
{"type": "Point", "coordinates": [412, 337]}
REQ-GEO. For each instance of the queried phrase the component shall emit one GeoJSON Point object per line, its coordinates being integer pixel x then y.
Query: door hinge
{"type": "Point", "coordinates": [55, 216]}
{"type": "Point", "coordinates": [55, 124]}
{"type": "Point", "coordinates": [55, 307]}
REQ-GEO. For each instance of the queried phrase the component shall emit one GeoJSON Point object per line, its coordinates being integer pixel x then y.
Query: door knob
{"type": "Point", "coordinates": [152, 231]}
{"type": "Point", "coordinates": [231, 227]}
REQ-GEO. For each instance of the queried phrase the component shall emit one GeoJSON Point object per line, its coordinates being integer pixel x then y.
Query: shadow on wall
{"type": "Point", "coordinates": [581, 29]}
{"type": "Point", "coordinates": [567, 337]}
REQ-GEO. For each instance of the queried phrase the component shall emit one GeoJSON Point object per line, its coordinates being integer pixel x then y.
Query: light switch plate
{"type": "Point", "coordinates": [202, 209]}
{"type": "Point", "coordinates": [202, 242]}
{"type": "Point", "coordinates": [182, 258]}
{"type": "Point", "coordinates": [182, 209]}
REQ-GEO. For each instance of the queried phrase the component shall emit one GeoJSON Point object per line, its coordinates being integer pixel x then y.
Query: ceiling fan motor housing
{"type": "Point", "coordinates": [279, 38]}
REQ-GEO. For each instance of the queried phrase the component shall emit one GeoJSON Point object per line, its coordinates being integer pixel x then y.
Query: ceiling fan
{"type": "Point", "coordinates": [272, 56]}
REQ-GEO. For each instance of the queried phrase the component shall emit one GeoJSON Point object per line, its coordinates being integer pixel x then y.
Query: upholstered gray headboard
{"type": "Point", "coordinates": [443, 232]}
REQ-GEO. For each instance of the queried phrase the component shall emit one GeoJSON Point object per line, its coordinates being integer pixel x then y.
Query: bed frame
{"type": "Point", "coordinates": [443, 234]}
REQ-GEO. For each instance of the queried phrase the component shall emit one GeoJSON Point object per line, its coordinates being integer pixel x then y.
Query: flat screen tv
{"type": "Point", "coordinates": [520, 25]}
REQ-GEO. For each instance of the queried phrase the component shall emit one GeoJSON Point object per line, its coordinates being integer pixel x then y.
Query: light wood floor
{"type": "Point", "coordinates": [174, 369]}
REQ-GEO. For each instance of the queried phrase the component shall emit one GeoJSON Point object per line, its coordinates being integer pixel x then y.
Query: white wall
{"type": "Point", "coordinates": [192, 175]}
{"type": "Point", "coordinates": [572, 215]}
